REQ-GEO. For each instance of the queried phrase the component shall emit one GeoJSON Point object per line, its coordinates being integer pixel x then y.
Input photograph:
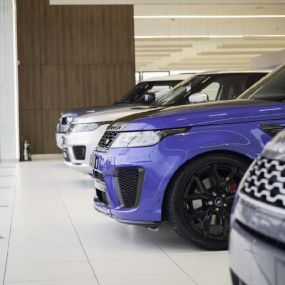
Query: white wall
{"type": "Point", "coordinates": [9, 130]}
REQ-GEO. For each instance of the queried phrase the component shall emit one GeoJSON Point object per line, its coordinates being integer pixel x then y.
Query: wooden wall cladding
{"type": "Point", "coordinates": [70, 56]}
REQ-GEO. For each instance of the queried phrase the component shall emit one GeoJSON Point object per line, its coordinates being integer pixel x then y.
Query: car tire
{"type": "Point", "coordinates": [200, 198]}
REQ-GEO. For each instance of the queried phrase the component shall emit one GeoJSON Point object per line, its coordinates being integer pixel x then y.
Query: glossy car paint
{"type": "Point", "coordinates": [258, 231]}
{"type": "Point", "coordinates": [230, 126]}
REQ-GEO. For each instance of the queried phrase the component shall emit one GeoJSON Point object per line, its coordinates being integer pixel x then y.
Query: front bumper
{"type": "Point", "coordinates": [88, 142]}
{"type": "Point", "coordinates": [153, 164]}
{"type": "Point", "coordinates": [254, 260]}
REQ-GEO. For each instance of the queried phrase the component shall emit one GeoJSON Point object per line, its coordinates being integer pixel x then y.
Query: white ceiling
{"type": "Point", "coordinates": [199, 37]}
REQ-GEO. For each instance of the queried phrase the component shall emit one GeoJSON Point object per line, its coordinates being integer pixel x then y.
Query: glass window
{"type": "Point", "coordinates": [212, 90]}
{"type": "Point", "coordinates": [223, 86]}
{"type": "Point", "coordinates": [179, 92]}
{"type": "Point", "coordinates": [159, 88]}
{"type": "Point", "coordinates": [271, 88]}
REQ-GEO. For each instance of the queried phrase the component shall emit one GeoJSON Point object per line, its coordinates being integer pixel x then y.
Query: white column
{"type": "Point", "coordinates": [9, 125]}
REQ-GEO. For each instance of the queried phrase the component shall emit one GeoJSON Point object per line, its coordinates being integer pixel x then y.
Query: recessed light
{"type": "Point", "coordinates": [208, 36]}
{"type": "Point", "coordinates": [208, 16]}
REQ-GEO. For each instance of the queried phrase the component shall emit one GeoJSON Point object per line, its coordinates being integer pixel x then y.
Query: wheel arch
{"type": "Point", "coordinates": [190, 161]}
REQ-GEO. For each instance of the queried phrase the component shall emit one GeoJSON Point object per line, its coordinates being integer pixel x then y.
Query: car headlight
{"type": "Point", "coordinates": [76, 128]}
{"type": "Point", "coordinates": [143, 138]}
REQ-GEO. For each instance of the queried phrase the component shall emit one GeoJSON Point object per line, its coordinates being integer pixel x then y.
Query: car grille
{"type": "Point", "coordinates": [106, 141]}
{"type": "Point", "coordinates": [79, 152]}
{"type": "Point", "coordinates": [266, 182]}
{"type": "Point", "coordinates": [129, 182]}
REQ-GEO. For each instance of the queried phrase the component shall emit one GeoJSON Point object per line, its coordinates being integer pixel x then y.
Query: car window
{"type": "Point", "coordinates": [271, 88]}
{"type": "Point", "coordinates": [136, 94]}
{"type": "Point", "coordinates": [212, 90]}
{"type": "Point", "coordinates": [222, 87]}
{"type": "Point", "coordinates": [176, 94]}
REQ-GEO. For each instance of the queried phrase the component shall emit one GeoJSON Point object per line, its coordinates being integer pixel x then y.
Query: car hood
{"type": "Point", "coordinates": [225, 112]}
{"type": "Point", "coordinates": [111, 114]}
{"type": "Point", "coordinates": [95, 109]}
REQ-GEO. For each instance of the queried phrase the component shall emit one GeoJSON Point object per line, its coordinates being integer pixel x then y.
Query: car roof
{"type": "Point", "coordinates": [177, 77]}
{"type": "Point", "coordinates": [184, 76]}
{"type": "Point", "coordinates": [234, 71]}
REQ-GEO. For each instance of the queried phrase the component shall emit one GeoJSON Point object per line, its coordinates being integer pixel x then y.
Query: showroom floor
{"type": "Point", "coordinates": [51, 235]}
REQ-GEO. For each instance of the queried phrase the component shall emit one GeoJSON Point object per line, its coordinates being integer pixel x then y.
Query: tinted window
{"type": "Point", "coordinates": [271, 88]}
{"type": "Point", "coordinates": [135, 95]}
{"type": "Point", "coordinates": [212, 90]}
{"type": "Point", "coordinates": [222, 86]}
{"type": "Point", "coordinates": [179, 91]}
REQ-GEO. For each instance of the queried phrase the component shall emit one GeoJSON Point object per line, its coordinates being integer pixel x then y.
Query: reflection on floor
{"type": "Point", "coordinates": [51, 235]}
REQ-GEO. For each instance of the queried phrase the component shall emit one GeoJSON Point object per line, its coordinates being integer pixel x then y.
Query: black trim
{"type": "Point", "coordinates": [138, 189]}
{"type": "Point", "coordinates": [272, 129]}
{"type": "Point", "coordinates": [139, 223]}
{"type": "Point", "coordinates": [235, 279]}
{"type": "Point", "coordinates": [129, 222]}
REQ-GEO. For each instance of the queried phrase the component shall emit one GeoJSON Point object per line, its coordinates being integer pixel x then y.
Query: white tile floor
{"type": "Point", "coordinates": [51, 235]}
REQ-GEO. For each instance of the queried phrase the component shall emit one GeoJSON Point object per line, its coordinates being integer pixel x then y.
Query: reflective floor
{"type": "Point", "coordinates": [51, 235]}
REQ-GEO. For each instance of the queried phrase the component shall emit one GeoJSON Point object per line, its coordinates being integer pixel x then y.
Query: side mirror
{"type": "Point", "coordinates": [198, 98]}
{"type": "Point", "coordinates": [149, 98]}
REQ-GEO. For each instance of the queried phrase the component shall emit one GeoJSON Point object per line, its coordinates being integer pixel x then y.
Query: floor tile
{"type": "Point", "coordinates": [121, 268]}
{"type": "Point", "coordinates": [48, 272]}
{"type": "Point", "coordinates": [206, 266]}
{"type": "Point", "coordinates": [166, 279]}
{"type": "Point", "coordinates": [58, 282]}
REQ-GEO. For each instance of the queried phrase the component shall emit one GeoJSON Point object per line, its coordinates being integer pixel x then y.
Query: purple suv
{"type": "Point", "coordinates": [183, 164]}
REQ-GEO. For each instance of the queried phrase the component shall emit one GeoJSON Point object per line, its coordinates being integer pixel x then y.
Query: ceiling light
{"type": "Point", "coordinates": [208, 36]}
{"type": "Point", "coordinates": [209, 17]}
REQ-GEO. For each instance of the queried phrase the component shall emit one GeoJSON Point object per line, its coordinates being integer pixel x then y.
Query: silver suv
{"type": "Point", "coordinates": [257, 239]}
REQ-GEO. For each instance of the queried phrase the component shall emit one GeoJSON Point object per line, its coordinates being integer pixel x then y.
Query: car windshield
{"type": "Point", "coordinates": [271, 88]}
{"type": "Point", "coordinates": [178, 92]}
{"type": "Point", "coordinates": [136, 94]}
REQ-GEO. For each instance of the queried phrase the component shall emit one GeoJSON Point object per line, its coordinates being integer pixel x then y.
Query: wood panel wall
{"type": "Point", "coordinates": [70, 56]}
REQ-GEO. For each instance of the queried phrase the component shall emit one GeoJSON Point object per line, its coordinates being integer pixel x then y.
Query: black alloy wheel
{"type": "Point", "coordinates": [201, 197]}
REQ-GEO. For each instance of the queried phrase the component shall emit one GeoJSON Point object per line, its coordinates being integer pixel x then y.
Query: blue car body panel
{"type": "Point", "coordinates": [233, 126]}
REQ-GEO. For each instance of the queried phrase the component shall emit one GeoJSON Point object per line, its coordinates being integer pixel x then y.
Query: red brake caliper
{"type": "Point", "coordinates": [232, 186]}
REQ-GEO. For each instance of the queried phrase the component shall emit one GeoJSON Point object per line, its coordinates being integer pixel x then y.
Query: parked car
{"type": "Point", "coordinates": [86, 131]}
{"type": "Point", "coordinates": [134, 97]}
{"type": "Point", "coordinates": [183, 164]}
{"type": "Point", "coordinates": [257, 230]}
